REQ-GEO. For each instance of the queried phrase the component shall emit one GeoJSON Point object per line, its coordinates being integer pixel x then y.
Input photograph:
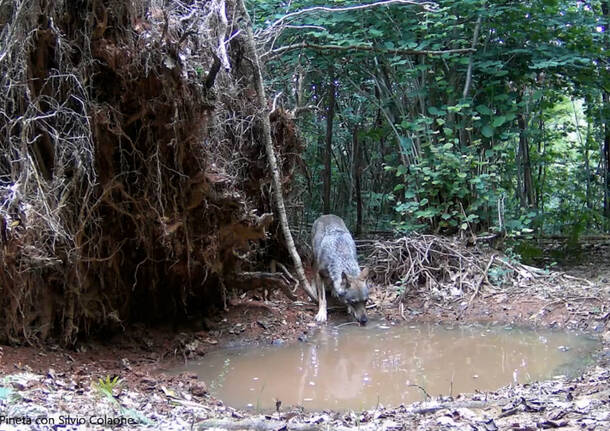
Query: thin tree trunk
{"type": "Point", "coordinates": [462, 133]}
{"type": "Point", "coordinates": [528, 184]}
{"type": "Point", "coordinates": [588, 195]}
{"type": "Point", "coordinates": [584, 143]}
{"type": "Point", "coordinates": [605, 112]}
{"type": "Point", "coordinates": [605, 109]}
{"type": "Point", "coordinates": [319, 194]}
{"type": "Point", "coordinates": [475, 38]}
{"type": "Point", "coordinates": [519, 176]}
{"type": "Point", "coordinates": [542, 166]}
{"type": "Point", "coordinates": [357, 174]}
{"type": "Point", "coordinates": [264, 119]}
{"type": "Point", "coordinates": [330, 114]}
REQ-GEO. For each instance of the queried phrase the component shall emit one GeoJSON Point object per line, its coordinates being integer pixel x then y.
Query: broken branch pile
{"type": "Point", "coordinates": [448, 269]}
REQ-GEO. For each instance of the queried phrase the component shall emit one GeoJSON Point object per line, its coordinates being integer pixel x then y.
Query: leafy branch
{"type": "Point", "coordinates": [403, 51]}
{"type": "Point", "coordinates": [429, 6]}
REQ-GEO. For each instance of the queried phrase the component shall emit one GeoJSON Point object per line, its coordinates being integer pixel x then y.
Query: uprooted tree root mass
{"type": "Point", "coordinates": [132, 177]}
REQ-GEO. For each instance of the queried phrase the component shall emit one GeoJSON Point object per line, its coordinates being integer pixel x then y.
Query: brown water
{"type": "Point", "coordinates": [359, 367]}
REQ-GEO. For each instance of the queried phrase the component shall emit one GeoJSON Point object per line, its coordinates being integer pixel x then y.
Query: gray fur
{"type": "Point", "coordinates": [336, 263]}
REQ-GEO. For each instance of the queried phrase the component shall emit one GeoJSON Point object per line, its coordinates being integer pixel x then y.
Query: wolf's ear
{"type": "Point", "coordinates": [364, 274]}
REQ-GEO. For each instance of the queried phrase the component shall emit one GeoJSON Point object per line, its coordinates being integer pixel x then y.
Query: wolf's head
{"type": "Point", "coordinates": [355, 294]}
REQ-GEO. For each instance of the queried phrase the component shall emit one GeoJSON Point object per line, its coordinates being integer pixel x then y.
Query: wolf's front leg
{"type": "Point", "coordinates": [321, 316]}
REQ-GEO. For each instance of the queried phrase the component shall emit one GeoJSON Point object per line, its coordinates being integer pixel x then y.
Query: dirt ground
{"type": "Point", "coordinates": [48, 387]}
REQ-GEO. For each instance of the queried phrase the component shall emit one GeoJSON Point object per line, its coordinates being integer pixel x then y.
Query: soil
{"type": "Point", "coordinates": [48, 387]}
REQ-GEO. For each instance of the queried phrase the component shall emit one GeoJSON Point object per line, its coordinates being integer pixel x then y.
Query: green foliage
{"type": "Point", "coordinates": [520, 224]}
{"type": "Point", "coordinates": [436, 158]}
{"type": "Point", "coordinates": [499, 275]}
{"type": "Point", "coordinates": [107, 385]}
{"type": "Point", "coordinates": [444, 190]}
{"type": "Point", "coordinates": [529, 252]}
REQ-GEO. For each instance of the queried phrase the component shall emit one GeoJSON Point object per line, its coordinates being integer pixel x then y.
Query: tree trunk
{"type": "Point", "coordinates": [330, 114]}
{"type": "Point", "coordinates": [540, 178]}
{"type": "Point", "coordinates": [584, 144]}
{"type": "Point", "coordinates": [606, 127]}
{"type": "Point", "coordinates": [528, 184]}
{"type": "Point", "coordinates": [264, 119]}
{"type": "Point", "coordinates": [357, 174]}
{"type": "Point", "coordinates": [606, 161]}
{"type": "Point", "coordinates": [473, 45]}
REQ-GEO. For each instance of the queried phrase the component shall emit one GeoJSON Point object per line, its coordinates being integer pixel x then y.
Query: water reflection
{"type": "Point", "coordinates": [358, 367]}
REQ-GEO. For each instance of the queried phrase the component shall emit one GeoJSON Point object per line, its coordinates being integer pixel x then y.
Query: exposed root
{"type": "Point", "coordinates": [132, 173]}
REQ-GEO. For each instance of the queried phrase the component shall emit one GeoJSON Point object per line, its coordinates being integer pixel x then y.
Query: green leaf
{"type": "Point", "coordinates": [487, 131]}
{"type": "Point", "coordinates": [434, 111]}
{"type": "Point", "coordinates": [484, 110]}
{"type": "Point", "coordinates": [454, 108]}
{"type": "Point", "coordinates": [427, 213]}
{"type": "Point", "coordinates": [498, 121]}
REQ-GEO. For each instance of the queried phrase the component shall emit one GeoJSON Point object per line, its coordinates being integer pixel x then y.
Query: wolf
{"type": "Point", "coordinates": [336, 268]}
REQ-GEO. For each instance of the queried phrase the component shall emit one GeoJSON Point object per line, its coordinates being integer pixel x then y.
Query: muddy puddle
{"type": "Point", "coordinates": [361, 367]}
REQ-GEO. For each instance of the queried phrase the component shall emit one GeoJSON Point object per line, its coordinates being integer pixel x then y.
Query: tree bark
{"type": "Point", "coordinates": [330, 114]}
{"type": "Point", "coordinates": [266, 124]}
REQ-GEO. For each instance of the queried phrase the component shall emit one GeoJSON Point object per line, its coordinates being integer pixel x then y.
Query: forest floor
{"type": "Point", "coordinates": [52, 388]}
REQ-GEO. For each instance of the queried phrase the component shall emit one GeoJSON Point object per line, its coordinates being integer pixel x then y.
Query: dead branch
{"type": "Point", "coordinates": [273, 165]}
{"type": "Point", "coordinates": [447, 269]}
{"type": "Point", "coordinates": [219, 8]}
{"type": "Point", "coordinates": [483, 277]}
{"type": "Point", "coordinates": [252, 304]}
{"type": "Point", "coordinates": [263, 280]}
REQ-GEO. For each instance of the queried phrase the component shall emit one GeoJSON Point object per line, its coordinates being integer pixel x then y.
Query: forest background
{"type": "Point", "coordinates": [472, 115]}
